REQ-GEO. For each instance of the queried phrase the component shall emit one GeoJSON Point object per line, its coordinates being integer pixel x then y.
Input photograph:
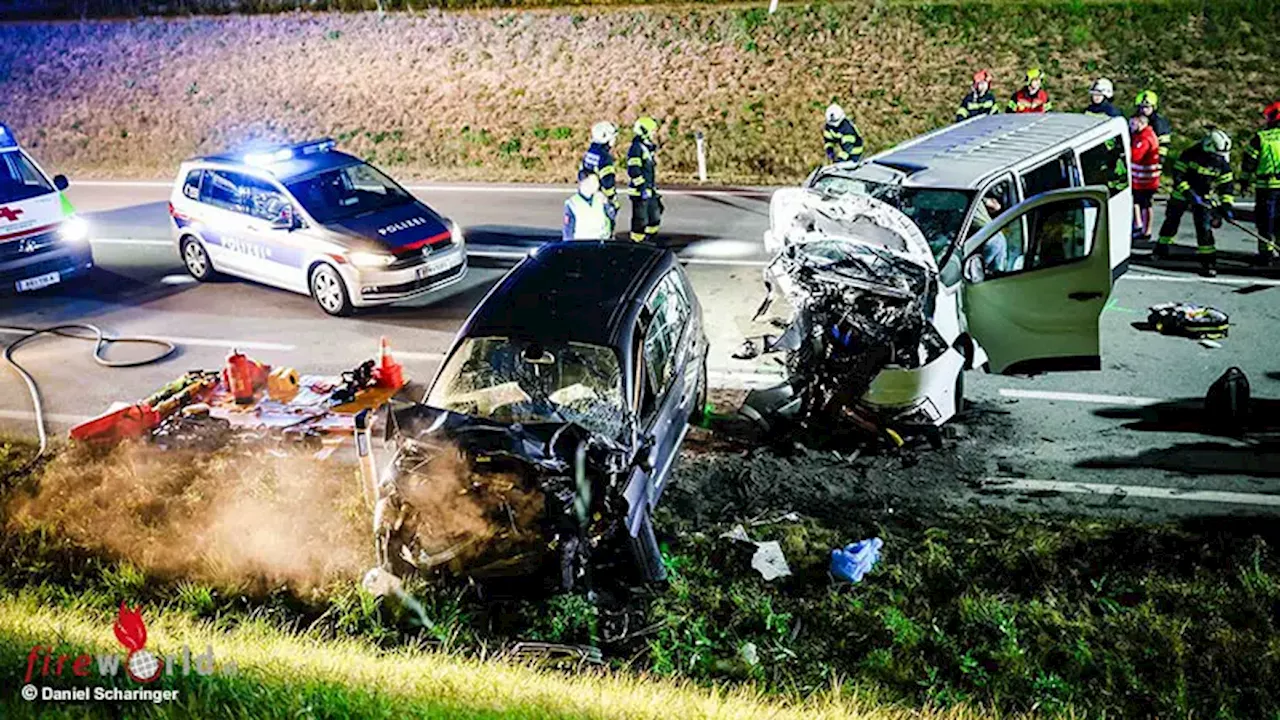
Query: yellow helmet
{"type": "Point", "coordinates": [1035, 73]}
{"type": "Point", "coordinates": [1147, 97]}
{"type": "Point", "coordinates": [645, 126]}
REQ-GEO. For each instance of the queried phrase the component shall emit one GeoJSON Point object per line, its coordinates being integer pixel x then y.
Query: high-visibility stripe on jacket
{"type": "Point", "coordinates": [1025, 101]}
{"type": "Point", "coordinates": [641, 168]}
{"type": "Point", "coordinates": [842, 141]}
{"type": "Point", "coordinates": [598, 161]}
{"type": "Point", "coordinates": [1206, 174]}
{"type": "Point", "coordinates": [586, 219]}
{"type": "Point", "coordinates": [975, 105]}
{"type": "Point", "coordinates": [1261, 164]}
{"type": "Point", "coordinates": [1145, 153]}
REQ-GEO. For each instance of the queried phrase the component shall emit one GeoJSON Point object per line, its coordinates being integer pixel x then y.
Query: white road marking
{"type": "Point", "coordinates": [132, 241]}
{"type": "Point", "coordinates": [28, 416]}
{"type": "Point", "coordinates": [444, 187]}
{"type": "Point", "coordinates": [744, 379]}
{"type": "Point", "coordinates": [1130, 400]}
{"type": "Point", "coordinates": [1133, 491]}
{"type": "Point", "coordinates": [733, 263]}
{"type": "Point", "coordinates": [411, 355]}
{"type": "Point", "coordinates": [1193, 279]}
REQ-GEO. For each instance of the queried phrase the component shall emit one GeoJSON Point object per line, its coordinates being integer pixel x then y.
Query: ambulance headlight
{"type": "Point", "coordinates": [370, 260]}
{"type": "Point", "coordinates": [74, 229]}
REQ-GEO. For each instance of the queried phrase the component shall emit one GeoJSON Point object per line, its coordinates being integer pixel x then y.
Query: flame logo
{"type": "Point", "coordinates": [130, 630]}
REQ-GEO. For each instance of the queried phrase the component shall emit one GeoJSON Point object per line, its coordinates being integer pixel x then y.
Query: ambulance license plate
{"type": "Point", "coordinates": [39, 281]}
{"type": "Point", "coordinates": [439, 265]}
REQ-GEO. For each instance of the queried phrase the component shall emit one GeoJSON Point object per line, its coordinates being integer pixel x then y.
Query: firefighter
{"type": "Point", "coordinates": [1261, 166]}
{"type": "Point", "coordinates": [840, 136]}
{"type": "Point", "coordinates": [1100, 94]}
{"type": "Point", "coordinates": [598, 161]}
{"type": "Point", "coordinates": [1032, 98]}
{"type": "Point", "coordinates": [587, 215]}
{"type": "Point", "coordinates": [1147, 103]}
{"type": "Point", "coordinates": [642, 160]}
{"type": "Point", "coordinates": [1145, 151]}
{"type": "Point", "coordinates": [1202, 179]}
{"type": "Point", "coordinates": [980, 100]}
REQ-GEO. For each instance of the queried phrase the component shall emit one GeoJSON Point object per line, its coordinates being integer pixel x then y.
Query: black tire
{"type": "Point", "coordinates": [329, 291]}
{"type": "Point", "coordinates": [196, 260]}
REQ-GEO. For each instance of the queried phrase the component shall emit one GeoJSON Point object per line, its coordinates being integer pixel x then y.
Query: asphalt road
{"type": "Point", "coordinates": [1134, 424]}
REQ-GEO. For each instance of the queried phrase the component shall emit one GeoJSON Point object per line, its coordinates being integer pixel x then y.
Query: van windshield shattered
{"type": "Point", "coordinates": [523, 381]}
{"type": "Point", "coordinates": [938, 213]}
{"type": "Point", "coordinates": [19, 178]}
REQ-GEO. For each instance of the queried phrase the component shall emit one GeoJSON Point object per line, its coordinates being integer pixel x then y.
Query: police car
{"type": "Point", "coordinates": [315, 221]}
{"type": "Point", "coordinates": [42, 240]}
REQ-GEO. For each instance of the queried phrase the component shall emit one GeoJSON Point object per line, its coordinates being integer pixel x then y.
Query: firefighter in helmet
{"type": "Point", "coordinates": [1202, 180]}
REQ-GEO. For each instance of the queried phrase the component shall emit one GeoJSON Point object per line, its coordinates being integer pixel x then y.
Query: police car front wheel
{"type": "Point", "coordinates": [196, 260]}
{"type": "Point", "coordinates": [330, 292]}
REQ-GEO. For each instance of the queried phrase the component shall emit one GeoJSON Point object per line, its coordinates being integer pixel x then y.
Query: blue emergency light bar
{"type": "Point", "coordinates": [8, 141]}
{"type": "Point", "coordinates": [266, 157]}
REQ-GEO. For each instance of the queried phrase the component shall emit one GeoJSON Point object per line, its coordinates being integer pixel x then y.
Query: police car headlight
{"type": "Point", "coordinates": [370, 260]}
{"type": "Point", "coordinates": [456, 231]}
{"type": "Point", "coordinates": [74, 229]}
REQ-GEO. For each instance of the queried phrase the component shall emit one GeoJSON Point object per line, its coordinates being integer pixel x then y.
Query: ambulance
{"type": "Point", "coordinates": [43, 242]}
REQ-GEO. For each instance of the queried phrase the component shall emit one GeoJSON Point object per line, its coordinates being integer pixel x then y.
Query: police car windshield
{"type": "Point", "coordinates": [520, 381]}
{"type": "Point", "coordinates": [347, 192]}
{"type": "Point", "coordinates": [938, 213]}
{"type": "Point", "coordinates": [19, 178]}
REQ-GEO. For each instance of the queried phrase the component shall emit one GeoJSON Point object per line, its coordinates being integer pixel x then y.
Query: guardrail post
{"type": "Point", "coordinates": [702, 155]}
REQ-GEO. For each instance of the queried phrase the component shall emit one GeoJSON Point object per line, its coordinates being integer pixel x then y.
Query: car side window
{"type": "Point", "coordinates": [1058, 173]}
{"type": "Point", "coordinates": [1057, 235]}
{"type": "Point", "coordinates": [668, 309]}
{"type": "Point", "coordinates": [1105, 164]}
{"type": "Point", "coordinates": [191, 186]}
{"type": "Point", "coordinates": [221, 189]}
{"type": "Point", "coordinates": [1005, 252]}
{"type": "Point", "coordinates": [262, 200]}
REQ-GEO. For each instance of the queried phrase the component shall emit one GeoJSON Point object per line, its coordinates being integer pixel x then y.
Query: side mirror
{"type": "Point", "coordinates": [286, 220]}
{"type": "Point", "coordinates": [60, 182]}
{"type": "Point", "coordinates": [644, 454]}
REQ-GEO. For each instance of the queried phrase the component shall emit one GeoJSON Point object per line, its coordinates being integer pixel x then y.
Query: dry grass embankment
{"type": "Point", "coordinates": [509, 95]}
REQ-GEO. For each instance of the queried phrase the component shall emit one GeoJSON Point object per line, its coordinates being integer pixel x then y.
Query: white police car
{"type": "Point", "coordinates": [42, 241]}
{"type": "Point", "coordinates": [313, 220]}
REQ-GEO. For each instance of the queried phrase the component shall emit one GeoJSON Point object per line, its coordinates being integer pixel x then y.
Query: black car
{"type": "Point", "coordinates": [551, 430]}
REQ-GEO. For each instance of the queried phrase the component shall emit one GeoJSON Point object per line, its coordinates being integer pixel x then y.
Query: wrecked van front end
{"type": "Point", "coordinates": [467, 497]}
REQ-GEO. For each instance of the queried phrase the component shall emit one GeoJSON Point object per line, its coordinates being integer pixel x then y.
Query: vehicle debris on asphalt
{"type": "Point", "coordinates": [1188, 320]}
{"type": "Point", "coordinates": [853, 561]}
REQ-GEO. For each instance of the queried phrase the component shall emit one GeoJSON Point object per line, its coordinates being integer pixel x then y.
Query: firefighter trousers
{"type": "Point", "coordinates": [646, 216]}
{"type": "Point", "coordinates": [1266, 215]}
{"type": "Point", "coordinates": [1205, 246]}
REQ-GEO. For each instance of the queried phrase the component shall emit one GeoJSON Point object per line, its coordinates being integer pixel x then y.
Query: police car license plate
{"type": "Point", "coordinates": [39, 281]}
{"type": "Point", "coordinates": [439, 265]}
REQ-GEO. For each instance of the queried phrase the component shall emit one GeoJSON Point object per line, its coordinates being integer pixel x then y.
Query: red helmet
{"type": "Point", "coordinates": [982, 76]}
{"type": "Point", "coordinates": [1272, 112]}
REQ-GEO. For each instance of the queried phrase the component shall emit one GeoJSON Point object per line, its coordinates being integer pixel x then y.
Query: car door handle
{"type": "Point", "coordinates": [1085, 295]}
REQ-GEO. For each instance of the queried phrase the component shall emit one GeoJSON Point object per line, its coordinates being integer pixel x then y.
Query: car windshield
{"type": "Point", "coordinates": [19, 178]}
{"type": "Point", "coordinates": [510, 381]}
{"type": "Point", "coordinates": [347, 192]}
{"type": "Point", "coordinates": [938, 213]}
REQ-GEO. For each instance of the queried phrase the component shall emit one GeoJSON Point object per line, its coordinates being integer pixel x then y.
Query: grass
{"type": "Point", "coordinates": [1054, 616]}
{"type": "Point", "coordinates": [433, 94]}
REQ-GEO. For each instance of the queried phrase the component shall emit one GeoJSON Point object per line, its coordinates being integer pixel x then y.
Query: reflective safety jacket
{"type": "Point", "coordinates": [1025, 101]}
{"type": "Point", "coordinates": [842, 141]}
{"type": "Point", "coordinates": [1103, 108]}
{"type": "Point", "coordinates": [598, 161]}
{"type": "Point", "coordinates": [1164, 132]}
{"type": "Point", "coordinates": [1261, 164]}
{"type": "Point", "coordinates": [642, 169]}
{"type": "Point", "coordinates": [974, 105]}
{"type": "Point", "coordinates": [586, 219]}
{"type": "Point", "coordinates": [1206, 174]}
{"type": "Point", "coordinates": [1145, 149]}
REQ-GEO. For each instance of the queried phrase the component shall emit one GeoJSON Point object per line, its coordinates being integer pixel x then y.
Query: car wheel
{"type": "Point", "coordinates": [330, 292]}
{"type": "Point", "coordinates": [197, 260]}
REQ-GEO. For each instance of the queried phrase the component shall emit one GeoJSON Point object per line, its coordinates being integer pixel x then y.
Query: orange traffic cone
{"type": "Point", "coordinates": [390, 372]}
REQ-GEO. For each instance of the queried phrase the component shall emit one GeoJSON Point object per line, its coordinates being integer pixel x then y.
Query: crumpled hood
{"type": "Point", "coordinates": [398, 229]}
{"type": "Point", "coordinates": [477, 436]}
{"type": "Point", "coordinates": [798, 216]}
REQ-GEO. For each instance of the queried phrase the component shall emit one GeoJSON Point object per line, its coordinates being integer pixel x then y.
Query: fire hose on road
{"type": "Point", "coordinates": [77, 331]}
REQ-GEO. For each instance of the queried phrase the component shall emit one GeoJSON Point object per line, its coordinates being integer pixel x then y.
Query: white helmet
{"type": "Point", "coordinates": [835, 114]}
{"type": "Point", "coordinates": [604, 132]}
{"type": "Point", "coordinates": [1218, 142]}
{"type": "Point", "coordinates": [1103, 87]}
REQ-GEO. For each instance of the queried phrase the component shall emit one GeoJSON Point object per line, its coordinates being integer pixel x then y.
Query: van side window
{"type": "Point", "coordinates": [1005, 252]}
{"type": "Point", "coordinates": [1057, 235]}
{"type": "Point", "coordinates": [1105, 164]}
{"type": "Point", "coordinates": [1059, 173]}
{"type": "Point", "coordinates": [191, 186]}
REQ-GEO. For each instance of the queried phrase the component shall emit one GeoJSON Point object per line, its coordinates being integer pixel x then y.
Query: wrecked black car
{"type": "Point", "coordinates": [551, 430]}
